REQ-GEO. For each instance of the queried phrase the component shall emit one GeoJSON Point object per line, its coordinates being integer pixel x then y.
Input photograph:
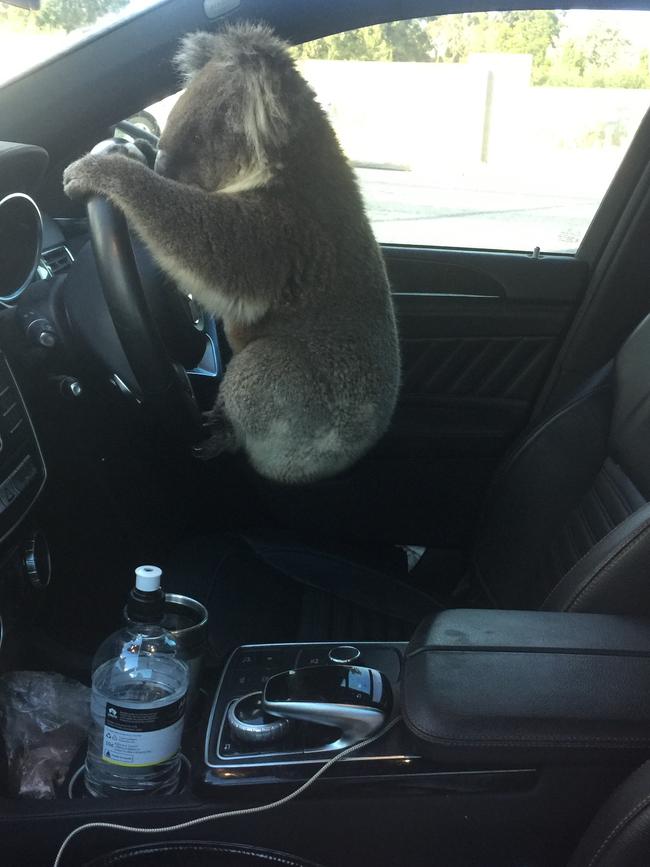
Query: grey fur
{"type": "Point", "coordinates": [258, 214]}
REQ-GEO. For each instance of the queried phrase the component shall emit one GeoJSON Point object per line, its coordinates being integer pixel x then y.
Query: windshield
{"type": "Point", "coordinates": [29, 38]}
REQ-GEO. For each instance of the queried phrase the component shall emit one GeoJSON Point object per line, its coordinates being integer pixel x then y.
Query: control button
{"type": "Point", "coordinates": [278, 659]}
{"type": "Point", "coordinates": [8, 493]}
{"type": "Point", "coordinates": [41, 332]}
{"type": "Point", "coordinates": [37, 564]}
{"type": "Point", "coordinates": [7, 400]}
{"type": "Point", "coordinates": [275, 660]}
{"type": "Point", "coordinates": [47, 339]}
{"type": "Point", "coordinates": [344, 653]}
{"type": "Point", "coordinates": [13, 419]}
{"type": "Point", "coordinates": [242, 682]}
{"type": "Point", "coordinates": [312, 656]}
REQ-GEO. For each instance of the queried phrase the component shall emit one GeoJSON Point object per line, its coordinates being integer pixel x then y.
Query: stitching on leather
{"type": "Point", "coordinates": [219, 850]}
{"type": "Point", "coordinates": [623, 543]}
{"type": "Point", "coordinates": [629, 544]}
{"type": "Point", "coordinates": [618, 493]}
{"type": "Point", "coordinates": [619, 827]}
{"type": "Point", "coordinates": [569, 536]}
{"type": "Point", "coordinates": [583, 516]}
{"type": "Point", "coordinates": [609, 520]}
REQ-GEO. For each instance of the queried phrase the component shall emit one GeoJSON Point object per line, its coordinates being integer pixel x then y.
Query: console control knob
{"type": "Point", "coordinates": [249, 721]}
{"type": "Point", "coordinates": [37, 563]}
{"type": "Point", "coordinates": [355, 700]}
{"type": "Point", "coordinates": [41, 332]}
{"type": "Point", "coordinates": [344, 653]}
{"type": "Point", "coordinates": [47, 339]}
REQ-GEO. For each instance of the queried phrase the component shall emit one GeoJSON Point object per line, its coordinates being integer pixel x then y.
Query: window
{"type": "Point", "coordinates": [29, 38]}
{"type": "Point", "coordinates": [488, 130]}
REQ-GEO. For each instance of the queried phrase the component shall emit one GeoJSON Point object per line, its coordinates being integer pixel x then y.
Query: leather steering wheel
{"type": "Point", "coordinates": [161, 380]}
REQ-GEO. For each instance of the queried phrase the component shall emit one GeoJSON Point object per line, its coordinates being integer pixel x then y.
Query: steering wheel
{"type": "Point", "coordinates": [157, 329]}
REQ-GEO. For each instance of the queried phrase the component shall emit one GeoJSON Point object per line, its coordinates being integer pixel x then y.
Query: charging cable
{"type": "Point", "coordinates": [230, 814]}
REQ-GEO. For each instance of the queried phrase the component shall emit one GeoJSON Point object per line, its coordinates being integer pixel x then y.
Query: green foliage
{"type": "Point", "coordinates": [602, 58]}
{"type": "Point", "coordinates": [12, 17]}
{"type": "Point", "coordinates": [58, 14]}
{"type": "Point", "coordinates": [397, 41]}
{"type": "Point", "coordinates": [455, 37]}
{"type": "Point", "coordinates": [69, 14]}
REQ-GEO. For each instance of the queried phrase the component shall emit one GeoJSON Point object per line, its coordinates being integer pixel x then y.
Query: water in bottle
{"type": "Point", "coordinates": [139, 690]}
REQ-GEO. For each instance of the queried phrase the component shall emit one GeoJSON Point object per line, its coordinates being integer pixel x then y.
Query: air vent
{"type": "Point", "coordinates": [56, 260]}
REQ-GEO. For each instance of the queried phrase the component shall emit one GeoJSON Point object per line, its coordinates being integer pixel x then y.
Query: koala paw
{"type": "Point", "coordinates": [98, 175]}
{"type": "Point", "coordinates": [220, 439]}
{"type": "Point", "coordinates": [83, 178]}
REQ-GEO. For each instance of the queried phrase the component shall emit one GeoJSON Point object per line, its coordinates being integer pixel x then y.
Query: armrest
{"type": "Point", "coordinates": [512, 686]}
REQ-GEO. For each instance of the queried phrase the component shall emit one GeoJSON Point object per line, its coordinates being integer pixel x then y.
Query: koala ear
{"type": "Point", "coordinates": [195, 51]}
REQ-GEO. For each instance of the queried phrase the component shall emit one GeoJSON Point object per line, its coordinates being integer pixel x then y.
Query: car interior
{"type": "Point", "coordinates": [454, 633]}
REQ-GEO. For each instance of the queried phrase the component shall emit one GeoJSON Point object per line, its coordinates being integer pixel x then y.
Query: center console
{"type": "Point", "coordinates": [504, 726]}
{"type": "Point", "coordinates": [322, 698]}
{"type": "Point", "coordinates": [501, 690]}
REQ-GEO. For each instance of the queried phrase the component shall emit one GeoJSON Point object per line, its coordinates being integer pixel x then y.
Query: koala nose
{"type": "Point", "coordinates": [162, 162]}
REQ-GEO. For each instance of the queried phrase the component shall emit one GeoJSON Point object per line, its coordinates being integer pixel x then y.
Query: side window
{"type": "Point", "coordinates": [495, 130]}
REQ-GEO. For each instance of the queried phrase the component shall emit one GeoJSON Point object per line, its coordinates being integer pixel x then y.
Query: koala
{"type": "Point", "coordinates": [253, 208]}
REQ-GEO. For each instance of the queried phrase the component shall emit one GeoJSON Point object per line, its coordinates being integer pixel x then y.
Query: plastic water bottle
{"type": "Point", "coordinates": [139, 690]}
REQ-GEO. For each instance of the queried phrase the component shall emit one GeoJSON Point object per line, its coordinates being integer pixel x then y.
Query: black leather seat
{"type": "Point", "coordinates": [566, 526]}
{"type": "Point", "coordinates": [619, 836]}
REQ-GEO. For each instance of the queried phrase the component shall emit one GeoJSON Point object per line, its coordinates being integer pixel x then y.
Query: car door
{"type": "Point", "coordinates": [483, 156]}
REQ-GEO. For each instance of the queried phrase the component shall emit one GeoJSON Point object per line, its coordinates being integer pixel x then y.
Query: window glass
{"type": "Point", "coordinates": [28, 38]}
{"type": "Point", "coordinates": [498, 130]}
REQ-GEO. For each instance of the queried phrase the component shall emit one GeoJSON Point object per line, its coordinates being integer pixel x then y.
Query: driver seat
{"type": "Point", "coordinates": [565, 527]}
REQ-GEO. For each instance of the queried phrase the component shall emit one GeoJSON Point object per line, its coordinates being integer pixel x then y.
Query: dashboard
{"type": "Point", "coordinates": [31, 245]}
{"type": "Point", "coordinates": [65, 376]}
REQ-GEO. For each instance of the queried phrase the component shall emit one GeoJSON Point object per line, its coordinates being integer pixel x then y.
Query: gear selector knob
{"type": "Point", "coordinates": [354, 699]}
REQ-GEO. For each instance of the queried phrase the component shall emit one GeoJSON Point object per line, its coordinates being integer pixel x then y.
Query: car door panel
{"type": "Point", "coordinates": [478, 333]}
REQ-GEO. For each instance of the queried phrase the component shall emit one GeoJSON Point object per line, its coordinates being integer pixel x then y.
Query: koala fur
{"type": "Point", "coordinates": [254, 210]}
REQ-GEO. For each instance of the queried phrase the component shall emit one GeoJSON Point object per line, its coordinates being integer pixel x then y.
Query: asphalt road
{"type": "Point", "coordinates": [407, 208]}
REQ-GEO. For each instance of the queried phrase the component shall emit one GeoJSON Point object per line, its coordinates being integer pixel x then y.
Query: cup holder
{"type": "Point", "coordinates": [76, 788]}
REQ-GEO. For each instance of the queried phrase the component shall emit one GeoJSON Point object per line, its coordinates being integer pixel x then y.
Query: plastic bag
{"type": "Point", "coordinates": [44, 718]}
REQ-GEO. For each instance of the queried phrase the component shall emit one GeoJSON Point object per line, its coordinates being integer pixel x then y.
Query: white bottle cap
{"type": "Point", "coordinates": [147, 578]}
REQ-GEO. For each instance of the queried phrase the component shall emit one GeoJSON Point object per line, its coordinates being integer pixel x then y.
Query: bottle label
{"type": "Point", "coordinates": [137, 737]}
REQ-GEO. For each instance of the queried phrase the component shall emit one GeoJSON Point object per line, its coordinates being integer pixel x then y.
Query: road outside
{"type": "Point", "coordinates": [410, 208]}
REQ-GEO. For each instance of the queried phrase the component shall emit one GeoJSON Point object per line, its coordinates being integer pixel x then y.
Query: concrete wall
{"type": "Point", "coordinates": [482, 113]}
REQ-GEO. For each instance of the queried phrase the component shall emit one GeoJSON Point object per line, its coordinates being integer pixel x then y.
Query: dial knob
{"type": "Point", "coordinates": [42, 333]}
{"type": "Point", "coordinates": [249, 722]}
{"type": "Point", "coordinates": [37, 564]}
{"type": "Point", "coordinates": [344, 653]}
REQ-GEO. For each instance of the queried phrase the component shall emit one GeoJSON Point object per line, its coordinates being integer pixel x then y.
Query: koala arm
{"type": "Point", "coordinates": [222, 248]}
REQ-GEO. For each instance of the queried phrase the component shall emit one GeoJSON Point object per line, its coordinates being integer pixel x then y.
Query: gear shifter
{"type": "Point", "coordinates": [353, 699]}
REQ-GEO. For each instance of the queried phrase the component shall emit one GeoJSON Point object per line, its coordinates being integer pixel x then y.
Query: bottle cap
{"type": "Point", "coordinates": [147, 578]}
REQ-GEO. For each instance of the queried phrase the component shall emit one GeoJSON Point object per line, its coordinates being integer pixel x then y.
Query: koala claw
{"type": "Point", "coordinates": [217, 443]}
{"type": "Point", "coordinates": [221, 437]}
